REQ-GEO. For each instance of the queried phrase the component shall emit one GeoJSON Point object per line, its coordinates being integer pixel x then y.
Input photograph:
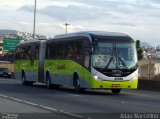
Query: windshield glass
{"type": "Point", "coordinates": [114, 55]}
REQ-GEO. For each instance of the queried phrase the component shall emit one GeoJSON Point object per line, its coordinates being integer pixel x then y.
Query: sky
{"type": "Point", "coordinates": [138, 18]}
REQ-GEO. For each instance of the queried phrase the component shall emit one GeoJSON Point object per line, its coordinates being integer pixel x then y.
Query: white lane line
{"type": "Point", "coordinates": [75, 95]}
{"type": "Point", "coordinates": [42, 106]}
{"type": "Point", "coordinates": [71, 114]}
{"type": "Point", "coordinates": [146, 96]}
{"type": "Point", "coordinates": [15, 99]}
{"type": "Point", "coordinates": [3, 96]}
{"type": "Point", "coordinates": [46, 107]}
{"type": "Point", "coordinates": [30, 103]}
{"type": "Point", "coordinates": [69, 94]}
{"type": "Point", "coordinates": [122, 102]}
{"type": "Point", "coordinates": [143, 95]}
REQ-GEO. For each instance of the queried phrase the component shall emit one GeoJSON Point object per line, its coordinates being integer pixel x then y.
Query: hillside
{"type": "Point", "coordinates": [144, 44]}
{"type": "Point", "coordinates": [5, 31]}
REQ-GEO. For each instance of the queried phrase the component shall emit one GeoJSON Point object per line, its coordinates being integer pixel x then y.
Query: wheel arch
{"type": "Point", "coordinates": [23, 73]}
{"type": "Point", "coordinates": [75, 77]}
{"type": "Point", "coordinates": [47, 75]}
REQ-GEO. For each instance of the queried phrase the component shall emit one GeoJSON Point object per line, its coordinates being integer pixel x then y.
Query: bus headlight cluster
{"type": "Point", "coordinates": [134, 78]}
{"type": "Point", "coordinates": [97, 78]}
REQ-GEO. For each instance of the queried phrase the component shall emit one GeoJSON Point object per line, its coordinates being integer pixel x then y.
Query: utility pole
{"type": "Point", "coordinates": [66, 24]}
{"type": "Point", "coordinates": [34, 24]}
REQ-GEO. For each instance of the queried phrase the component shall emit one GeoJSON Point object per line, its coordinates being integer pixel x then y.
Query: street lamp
{"type": "Point", "coordinates": [34, 25]}
{"type": "Point", "coordinates": [66, 24]}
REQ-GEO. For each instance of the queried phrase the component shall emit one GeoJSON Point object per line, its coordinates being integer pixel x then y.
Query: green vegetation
{"type": "Point", "coordinates": [139, 50]}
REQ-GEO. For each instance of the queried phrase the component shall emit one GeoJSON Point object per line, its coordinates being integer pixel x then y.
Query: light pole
{"type": "Point", "coordinates": [66, 24]}
{"type": "Point", "coordinates": [34, 24]}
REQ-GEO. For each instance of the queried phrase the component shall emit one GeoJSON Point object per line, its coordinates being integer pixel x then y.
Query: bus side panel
{"type": "Point", "coordinates": [22, 65]}
{"type": "Point", "coordinates": [33, 71]}
{"type": "Point", "coordinates": [30, 69]}
{"type": "Point", "coordinates": [61, 71]}
{"type": "Point", "coordinates": [26, 56]}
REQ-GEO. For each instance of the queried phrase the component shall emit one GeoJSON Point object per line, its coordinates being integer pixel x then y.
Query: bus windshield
{"type": "Point", "coordinates": [114, 55]}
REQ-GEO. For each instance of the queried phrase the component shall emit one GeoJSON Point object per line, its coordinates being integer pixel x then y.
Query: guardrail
{"type": "Point", "coordinates": [149, 84]}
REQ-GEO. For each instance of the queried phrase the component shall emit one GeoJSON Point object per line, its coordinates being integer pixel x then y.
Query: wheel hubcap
{"type": "Point", "coordinates": [23, 79]}
{"type": "Point", "coordinates": [48, 83]}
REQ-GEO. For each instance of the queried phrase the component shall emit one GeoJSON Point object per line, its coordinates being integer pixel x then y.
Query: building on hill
{"type": "Point", "coordinates": [23, 36]}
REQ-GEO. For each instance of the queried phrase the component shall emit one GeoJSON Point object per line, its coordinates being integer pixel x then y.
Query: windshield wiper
{"type": "Point", "coordinates": [109, 62]}
{"type": "Point", "coordinates": [123, 62]}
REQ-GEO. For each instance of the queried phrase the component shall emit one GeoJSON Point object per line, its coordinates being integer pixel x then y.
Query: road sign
{"type": "Point", "coordinates": [10, 43]}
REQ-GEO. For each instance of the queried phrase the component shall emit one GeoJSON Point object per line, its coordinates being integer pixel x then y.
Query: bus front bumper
{"type": "Point", "coordinates": [129, 84]}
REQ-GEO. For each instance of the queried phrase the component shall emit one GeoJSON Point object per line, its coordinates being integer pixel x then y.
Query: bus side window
{"type": "Point", "coordinates": [86, 53]}
{"type": "Point", "coordinates": [18, 53]}
{"type": "Point", "coordinates": [74, 50]}
{"type": "Point", "coordinates": [37, 52]}
{"type": "Point", "coordinates": [86, 57]}
{"type": "Point", "coordinates": [26, 51]}
{"type": "Point", "coordinates": [61, 52]}
{"type": "Point", "coordinates": [51, 51]}
{"type": "Point", "coordinates": [48, 51]}
{"type": "Point", "coordinates": [78, 50]}
{"type": "Point", "coordinates": [69, 50]}
{"type": "Point", "coordinates": [32, 54]}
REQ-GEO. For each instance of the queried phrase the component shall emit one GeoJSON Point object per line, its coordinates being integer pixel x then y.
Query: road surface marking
{"type": "Point", "coordinates": [53, 109]}
{"type": "Point", "coordinates": [30, 103]}
{"type": "Point", "coordinates": [69, 94]}
{"type": "Point", "coordinates": [122, 102]}
{"type": "Point", "coordinates": [71, 114]}
{"type": "Point", "coordinates": [15, 99]}
{"type": "Point", "coordinates": [3, 96]}
{"type": "Point", "coordinates": [42, 106]}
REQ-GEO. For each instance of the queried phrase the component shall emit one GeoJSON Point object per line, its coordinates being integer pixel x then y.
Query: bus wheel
{"type": "Point", "coordinates": [24, 82]}
{"type": "Point", "coordinates": [48, 82]}
{"type": "Point", "coordinates": [77, 86]}
{"type": "Point", "coordinates": [78, 89]}
{"type": "Point", "coordinates": [116, 91]}
{"type": "Point", "coordinates": [55, 86]}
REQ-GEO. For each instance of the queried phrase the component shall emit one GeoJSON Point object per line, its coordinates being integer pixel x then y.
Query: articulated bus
{"type": "Point", "coordinates": [83, 60]}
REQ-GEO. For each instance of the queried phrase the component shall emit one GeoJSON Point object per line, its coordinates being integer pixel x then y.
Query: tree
{"type": "Point", "coordinates": [139, 50]}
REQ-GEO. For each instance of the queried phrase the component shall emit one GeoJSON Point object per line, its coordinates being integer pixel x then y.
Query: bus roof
{"type": "Point", "coordinates": [93, 34]}
{"type": "Point", "coordinates": [30, 42]}
{"type": "Point", "coordinates": [89, 33]}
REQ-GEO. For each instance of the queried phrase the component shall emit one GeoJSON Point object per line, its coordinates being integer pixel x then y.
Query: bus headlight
{"type": "Point", "coordinates": [97, 78]}
{"type": "Point", "coordinates": [134, 78]}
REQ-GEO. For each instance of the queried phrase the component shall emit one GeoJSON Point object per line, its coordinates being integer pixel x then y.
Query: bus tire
{"type": "Point", "coordinates": [23, 79]}
{"type": "Point", "coordinates": [24, 82]}
{"type": "Point", "coordinates": [116, 91]}
{"type": "Point", "coordinates": [48, 81]}
{"type": "Point", "coordinates": [77, 86]}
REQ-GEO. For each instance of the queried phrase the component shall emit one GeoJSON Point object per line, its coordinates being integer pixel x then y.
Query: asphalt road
{"type": "Point", "coordinates": [90, 104]}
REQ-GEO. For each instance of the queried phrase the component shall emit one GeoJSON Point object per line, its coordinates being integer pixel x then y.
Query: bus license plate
{"type": "Point", "coordinates": [118, 78]}
{"type": "Point", "coordinates": [115, 85]}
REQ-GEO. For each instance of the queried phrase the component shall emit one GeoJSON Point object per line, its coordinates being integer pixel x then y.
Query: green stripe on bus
{"type": "Point", "coordinates": [26, 64]}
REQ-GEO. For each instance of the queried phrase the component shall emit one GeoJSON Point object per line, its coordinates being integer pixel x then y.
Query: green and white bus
{"type": "Point", "coordinates": [83, 60]}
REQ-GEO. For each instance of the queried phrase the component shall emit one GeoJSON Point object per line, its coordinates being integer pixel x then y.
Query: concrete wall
{"type": "Point", "coordinates": [149, 70]}
{"type": "Point", "coordinates": [149, 85]}
{"type": "Point", "coordinates": [10, 66]}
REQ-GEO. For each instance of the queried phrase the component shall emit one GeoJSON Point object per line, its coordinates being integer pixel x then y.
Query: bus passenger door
{"type": "Point", "coordinates": [86, 63]}
{"type": "Point", "coordinates": [34, 62]}
{"type": "Point", "coordinates": [41, 61]}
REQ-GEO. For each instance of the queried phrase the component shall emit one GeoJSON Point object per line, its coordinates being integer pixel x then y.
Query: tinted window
{"type": "Point", "coordinates": [66, 50]}
{"type": "Point", "coordinates": [27, 52]}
